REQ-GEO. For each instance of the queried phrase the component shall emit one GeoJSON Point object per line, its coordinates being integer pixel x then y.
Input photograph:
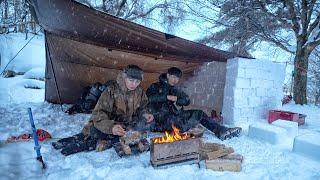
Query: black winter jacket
{"type": "Point", "coordinates": [157, 94]}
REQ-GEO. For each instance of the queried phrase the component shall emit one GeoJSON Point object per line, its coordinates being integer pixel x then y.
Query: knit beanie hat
{"type": "Point", "coordinates": [134, 72]}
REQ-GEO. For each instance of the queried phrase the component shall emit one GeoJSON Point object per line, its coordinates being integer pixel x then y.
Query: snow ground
{"type": "Point", "coordinates": [261, 160]}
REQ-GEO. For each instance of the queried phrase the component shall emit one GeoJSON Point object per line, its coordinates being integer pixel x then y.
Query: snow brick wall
{"type": "Point", "coordinates": [253, 87]}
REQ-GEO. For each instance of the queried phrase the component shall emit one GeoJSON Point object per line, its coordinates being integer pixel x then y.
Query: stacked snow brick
{"type": "Point", "coordinates": [308, 144]}
{"type": "Point", "coordinates": [206, 87]}
{"type": "Point", "coordinates": [253, 87]}
{"type": "Point", "coordinates": [280, 132]}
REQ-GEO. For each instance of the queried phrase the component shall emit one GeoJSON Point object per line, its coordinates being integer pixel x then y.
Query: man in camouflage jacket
{"type": "Point", "coordinates": [121, 106]}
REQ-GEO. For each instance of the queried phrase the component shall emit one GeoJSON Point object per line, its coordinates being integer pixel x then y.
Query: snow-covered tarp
{"type": "Point", "coordinates": [261, 160]}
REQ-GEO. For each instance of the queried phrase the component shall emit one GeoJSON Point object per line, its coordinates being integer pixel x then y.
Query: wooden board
{"type": "Point", "coordinates": [224, 165]}
{"type": "Point", "coordinates": [209, 147]}
{"type": "Point", "coordinates": [233, 156]}
{"type": "Point", "coordinates": [219, 153]}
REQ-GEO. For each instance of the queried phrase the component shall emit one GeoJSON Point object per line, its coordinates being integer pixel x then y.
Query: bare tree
{"type": "Point", "coordinates": [165, 12]}
{"type": "Point", "coordinates": [292, 25]}
{"type": "Point", "coordinates": [314, 78]}
{"type": "Point", "coordinates": [15, 17]}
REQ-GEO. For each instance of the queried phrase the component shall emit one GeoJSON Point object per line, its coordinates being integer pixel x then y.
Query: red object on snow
{"type": "Point", "coordinates": [42, 135]}
{"type": "Point", "coordinates": [286, 115]}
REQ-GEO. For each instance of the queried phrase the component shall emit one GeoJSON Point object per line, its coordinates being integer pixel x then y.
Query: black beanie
{"type": "Point", "coordinates": [175, 71]}
{"type": "Point", "coordinates": [134, 72]}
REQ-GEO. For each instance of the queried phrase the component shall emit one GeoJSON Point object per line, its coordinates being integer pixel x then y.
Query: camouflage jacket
{"type": "Point", "coordinates": [117, 105]}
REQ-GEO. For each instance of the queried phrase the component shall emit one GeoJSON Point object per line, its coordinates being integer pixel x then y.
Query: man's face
{"type": "Point", "coordinates": [172, 79]}
{"type": "Point", "coordinates": [131, 83]}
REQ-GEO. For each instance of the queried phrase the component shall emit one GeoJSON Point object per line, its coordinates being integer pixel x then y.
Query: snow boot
{"type": "Point", "coordinates": [79, 147]}
{"type": "Point", "coordinates": [69, 140]}
{"type": "Point", "coordinates": [57, 145]}
{"type": "Point", "coordinates": [229, 133]}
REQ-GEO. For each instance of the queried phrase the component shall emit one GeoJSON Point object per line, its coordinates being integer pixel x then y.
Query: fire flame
{"type": "Point", "coordinates": [175, 136]}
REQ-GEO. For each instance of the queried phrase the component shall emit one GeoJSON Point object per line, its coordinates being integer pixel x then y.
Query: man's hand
{"type": "Point", "coordinates": [149, 117]}
{"type": "Point", "coordinates": [172, 98]}
{"type": "Point", "coordinates": [118, 130]}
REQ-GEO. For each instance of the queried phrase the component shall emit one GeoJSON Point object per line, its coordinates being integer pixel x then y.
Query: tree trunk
{"type": "Point", "coordinates": [300, 77]}
{"type": "Point", "coordinates": [5, 19]}
{"type": "Point", "coordinates": [317, 99]}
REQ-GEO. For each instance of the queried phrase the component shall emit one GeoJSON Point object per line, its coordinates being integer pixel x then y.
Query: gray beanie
{"type": "Point", "coordinates": [134, 72]}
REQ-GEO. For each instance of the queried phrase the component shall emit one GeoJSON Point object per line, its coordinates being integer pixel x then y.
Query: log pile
{"type": "Point", "coordinates": [218, 157]}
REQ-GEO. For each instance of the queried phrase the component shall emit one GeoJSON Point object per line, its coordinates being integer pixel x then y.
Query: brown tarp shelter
{"type": "Point", "coordinates": [84, 46]}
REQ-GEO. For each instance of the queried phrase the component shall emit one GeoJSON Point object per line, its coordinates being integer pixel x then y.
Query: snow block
{"type": "Point", "coordinates": [251, 84]}
{"type": "Point", "coordinates": [290, 126]}
{"type": "Point", "coordinates": [308, 145]}
{"type": "Point", "coordinates": [266, 132]}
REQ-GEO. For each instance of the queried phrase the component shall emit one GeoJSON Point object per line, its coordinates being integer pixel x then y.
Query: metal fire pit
{"type": "Point", "coordinates": [175, 152]}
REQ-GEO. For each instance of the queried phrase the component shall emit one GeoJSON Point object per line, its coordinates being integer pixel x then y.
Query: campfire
{"type": "Point", "coordinates": [175, 136]}
{"type": "Point", "coordinates": [174, 147]}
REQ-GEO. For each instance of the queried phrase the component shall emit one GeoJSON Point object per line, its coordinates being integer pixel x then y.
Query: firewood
{"type": "Point", "coordinates": [131, 137]}
{"type": "Point", "coordinates": [209, 147]}
{"type": "Point", "coordinates": [223, 165]}
{"type": "Point", "coordinates": [126, 148]}
{"type": "Point", "coordinates": [219, 153]}
{"type": "Point", "coordinates": [233, 156]}
{"type": "Point", "coordinates": [141, 147]}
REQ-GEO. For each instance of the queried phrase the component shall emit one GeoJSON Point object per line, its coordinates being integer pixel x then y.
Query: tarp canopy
{"type": "Point", "coordinates": [84, 46]}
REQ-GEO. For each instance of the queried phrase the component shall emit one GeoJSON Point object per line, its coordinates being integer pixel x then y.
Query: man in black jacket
{"type": "Point", "coordinates": [166, 102]}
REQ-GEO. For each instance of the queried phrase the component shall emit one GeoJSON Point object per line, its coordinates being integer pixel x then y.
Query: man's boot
{"type": "Point", "coordinates": [69, 140]}
{"type": "Point", "coordinates": [229, 133]}
{"type": "Point", "coordinates": [88, 145]}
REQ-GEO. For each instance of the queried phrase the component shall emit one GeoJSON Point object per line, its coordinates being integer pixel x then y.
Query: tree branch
{"type": "Point", "coordinates": [123, 2]}
{"type": "Point", "coordinates": [313, 25]}
{"type": "Point", "coordinates": [158, 6]}
{"type": "Point", "coordinates": [130, 10]}
{"type": "Point", "coordinates": [293, 17]}
{"type": "Point", "coordinates": [304, 17]}
{"type": "Point", "coordinates": [311, 6]}
{"type": "Point", "coordinates": [265, 10]}
{"type": "Point", "coordinates": [277, 43]}
{"type": "Point", "coordinates": [312, 45]}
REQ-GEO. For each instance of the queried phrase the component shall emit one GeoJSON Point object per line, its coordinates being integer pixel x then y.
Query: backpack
{"type": "Point", "coordinates": [89, 98]}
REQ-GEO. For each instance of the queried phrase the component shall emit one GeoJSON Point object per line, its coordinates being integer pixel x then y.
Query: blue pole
{"type": "Point", "coordinates": [37, 147]}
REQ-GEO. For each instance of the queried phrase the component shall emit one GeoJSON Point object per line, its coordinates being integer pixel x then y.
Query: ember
{"type": "Point", "coordinates": [175, 136]}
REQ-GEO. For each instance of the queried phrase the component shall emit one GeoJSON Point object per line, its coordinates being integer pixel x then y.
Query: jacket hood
{"type": "Point", "coordinates": [121, 83]}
